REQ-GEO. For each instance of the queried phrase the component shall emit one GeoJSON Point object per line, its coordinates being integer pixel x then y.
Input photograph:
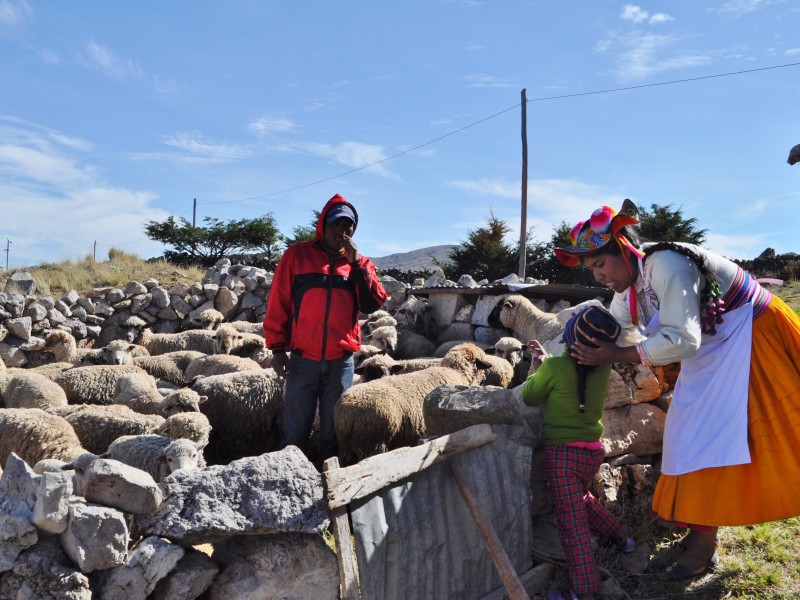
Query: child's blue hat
{"type": "Point", "coordinates": [591, 322]}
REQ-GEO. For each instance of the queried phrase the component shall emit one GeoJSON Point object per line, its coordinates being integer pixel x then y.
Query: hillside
{"type": "Point", "coordinates": [415, 259]}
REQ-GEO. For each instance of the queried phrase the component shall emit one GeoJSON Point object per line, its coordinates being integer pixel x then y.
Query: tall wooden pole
{"type": "Point", "coordinates": [523, 222]}
{"type": "Point", "coordinates": [194, 212]}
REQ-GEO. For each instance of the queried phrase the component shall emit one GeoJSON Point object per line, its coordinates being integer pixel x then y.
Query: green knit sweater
{"type": "Point", "coordinates": [555, 385]}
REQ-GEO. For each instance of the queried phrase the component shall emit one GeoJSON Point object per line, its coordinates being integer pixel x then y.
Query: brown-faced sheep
{"type": "Point", "coordinates": [34, 435]}
{"type": "Point", "coordinates": [155, 454]}
{"type": "Point", "coordinates": [97, 426]}
{"type": "Point", "coordinates": [385, 414]}
{"type": "Point", "coordinates": [383, 365]}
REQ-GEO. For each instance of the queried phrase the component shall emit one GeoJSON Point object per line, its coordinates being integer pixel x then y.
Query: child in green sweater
{"type": "Point", "coordinates": [573, 396]}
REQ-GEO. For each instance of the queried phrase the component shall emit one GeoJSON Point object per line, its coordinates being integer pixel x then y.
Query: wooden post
{"type": "Point", "coordinates": [511, 581]}
{"type": "Point", "coordinates": [345, 555]}
{"type": "Point", "coordinates": [523, 224]}
{"type": "Point", "coordinates": [194, 212]}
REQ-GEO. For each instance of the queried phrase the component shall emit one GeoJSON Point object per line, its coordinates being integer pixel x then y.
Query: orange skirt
{"type": "Point", "coordinates": [766, 489]}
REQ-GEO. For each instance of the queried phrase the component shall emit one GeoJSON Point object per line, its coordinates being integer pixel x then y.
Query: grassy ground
{"type": "Point", "coordinates": [757, 561]}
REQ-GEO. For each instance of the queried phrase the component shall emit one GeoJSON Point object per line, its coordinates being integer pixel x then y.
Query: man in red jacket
{"type": "Point", "coordinates": [317, 293]}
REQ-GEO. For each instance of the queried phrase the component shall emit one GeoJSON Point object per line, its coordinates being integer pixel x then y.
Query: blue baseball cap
{"type": "Point", "coordinates": [338, 211]}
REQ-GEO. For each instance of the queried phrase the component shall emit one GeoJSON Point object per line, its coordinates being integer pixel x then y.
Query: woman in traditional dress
{"type": "Point", "coordinates": [731, 451]}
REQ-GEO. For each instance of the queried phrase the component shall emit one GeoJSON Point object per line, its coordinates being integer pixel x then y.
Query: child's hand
{"type": "Point", "coordinates": [537, 350]}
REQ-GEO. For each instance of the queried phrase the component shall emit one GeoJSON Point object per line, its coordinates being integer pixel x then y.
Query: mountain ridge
{"type": "Point", "coordinates": [414, 260]}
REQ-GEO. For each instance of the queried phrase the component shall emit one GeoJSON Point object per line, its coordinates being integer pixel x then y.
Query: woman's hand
{"type": "Point", "coordinates": [536, 349]}
{"type": "Point", "coordinates": [606, 353]}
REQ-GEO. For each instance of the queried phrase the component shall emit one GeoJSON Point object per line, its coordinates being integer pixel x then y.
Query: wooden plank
{"type": "Point", "coordinates": [377, 472]}
{"type": "Point", "coordinates": [513, 585]}
{"type": "Point", "coordinates": [345, 554]}
{"type": "Point", "coordinates": [534, 581]}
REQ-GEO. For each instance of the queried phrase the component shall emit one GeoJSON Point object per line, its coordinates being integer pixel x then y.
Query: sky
{"type": "Point", "coordinates": [113, 114]}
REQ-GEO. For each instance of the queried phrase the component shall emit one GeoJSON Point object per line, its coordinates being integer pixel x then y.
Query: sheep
{"type": "Point", "coordinates": [32, 390]}
{"type": "Point", "coordinates": [519, 314]}
{"type": "Point", "coordinates": [412, 345]}
{"type": "Point", "coordinates": [97, 426]}
{"type": "Point", "coordinates": [219, 364]}
{"type": "Point", "coordinates": [500, 373]}
{"type": "Point", "coordinates": [155, 454]}
{"type": "Point", "coordinates": [386, 321]}
{"type": "Point", "coordinates": [445, 347]}
{"type": "Point", "coordinates": [510, 349]}
{"type": "Point", "coordinates": [34, 435]}
{"type": "Point", "coordinates": [384, 338]}
{"type": "Point", "coordinates": [139, 392]}
{"type": "Point", "coordinates": [201, 340]}
{"type": "Point", "coordinates": [63, 346]}
{"type": "Point", "coordinates": [414, 315]}
{"type": "Point", "coordinates": [229, 340]}
{"type": "Point", "coordinates": [383, 365]}
{"type": "Point", "coordinates": [381, 415]}
{"type": "Point", "coordinates": [248, 327]}
{"type": "Point", "coordinates": [210, 319]}
{"type": "Point", "coordinates": [192, 426]}
{"type": "Point", "coordinates": [245, 410]}
{"type": "Point", "coordinates": [364, 352]}
{"type": "Point", "coordinates": [170, 366]}
{"type": "Point", "coordinates": [94, 384]}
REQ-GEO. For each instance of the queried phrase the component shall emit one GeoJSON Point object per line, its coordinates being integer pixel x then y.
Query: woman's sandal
{"type": "Point", "coordinates": [677, 572]}
{"type": "Point", "coordinates": [560, 595]}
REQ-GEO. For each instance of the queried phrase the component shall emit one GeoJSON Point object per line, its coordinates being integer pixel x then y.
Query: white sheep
{"type": "Point", "coordinates": [510, 349]}
{"type": "Point", "coordinates": [63, 346]}
{"type": "Point", "coordinates": [32, 390]}
{"type": "Point", "coordinates": [192, 426]}
{"type": "Point", "coordinates": [155, 454]}
{"type": "Point", "coordinates": [245, 410]}
{"type": "Point", "coordinates": [381, 415]}
{"type": "Point", "coordinates": [211, 319]}
{"type": "Point", "coordinates": [385, 321]}
{"type": "Point", "coordinates": [230, 340]}
{"type": "Point", "coordinates": [200, 340]}
{"type": "Point", "coordinates": [445, 347]}
{"type": "Point", "coordinates": [219, 364]}
{"type": "Point", "coordinates": [98, 425]}
{"type": "Point", "coordinates": [170, 366]}
{"type": "Point", "coordinates": [414, 315]}
{"type": "Point", "coordinates": [139, 392]}
{"type": "Point", "coordinates": [94, 384]}
{"type": "Point", "coordinates": [248, 327]}
{"type": "Point", "coordinates": [385, 338]}
{"type": "Point", "coordinates": [34, 435]}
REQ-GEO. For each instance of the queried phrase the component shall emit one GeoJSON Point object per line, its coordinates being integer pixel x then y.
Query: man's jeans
{"type": "Point", "coordinates": [309, 382]}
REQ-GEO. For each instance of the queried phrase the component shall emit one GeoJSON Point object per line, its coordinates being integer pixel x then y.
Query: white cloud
{"type": "Point", "coordinates": [737, 246]}
{"type": "Point", "coordinates": [266, 125]}
{"type": "Point", "coordinates": [57, 205]}
{"type": "Point", "coordinates": [792, 52]}
{"type": "Point", "coordinates": [740, 7]}
{"type": "Point", "coordinates": [635, 14]}
{"type": "Point", "coordinates": [14, 13]}
{"type": "Point", "coordinates": [356, 155]}
{"type": "Point", "coordinates": [482, 80]}
{"type": "Point", "coordinates": [631, 12]}
{"type": "Point", "coordinates": [647, 54]}
{"type": "Point", "coordinates": [194, 147]}
{"type": "Point", "coordinates": [105, 60]}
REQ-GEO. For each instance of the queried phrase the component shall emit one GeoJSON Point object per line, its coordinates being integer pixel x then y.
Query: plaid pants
{"type": "Point", "coordinates": [569, 473]}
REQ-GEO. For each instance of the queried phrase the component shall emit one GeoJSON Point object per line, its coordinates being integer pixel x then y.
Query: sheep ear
{"type": "Point", "coordinates": [482, 364]}
{"type": "Point", "coordinates": [202, 399]}
{"type": "Point", "coordinates": [489, 350]}
{"type": "Point", "coordinates": [162, 458]}
{"type": "Point", "coordinates": [508, 304]}
{"type": "Point", "coordinates": [358, 370]}
{"type": "Point", "coordinates": [394, 369]}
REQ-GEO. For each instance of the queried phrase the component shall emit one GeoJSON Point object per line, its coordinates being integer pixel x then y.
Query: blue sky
{"type": "Point", "coordinates": [113, 113]}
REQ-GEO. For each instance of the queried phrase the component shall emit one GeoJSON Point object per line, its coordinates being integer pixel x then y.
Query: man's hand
{"type": "Point", "coordinates": [280, 363]}
{"type": "Point", "coordinates": [350, 249]}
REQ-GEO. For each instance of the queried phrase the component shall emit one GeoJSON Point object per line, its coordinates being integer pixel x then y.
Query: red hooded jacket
{"type": "Point", "coordinates": [315, 300]}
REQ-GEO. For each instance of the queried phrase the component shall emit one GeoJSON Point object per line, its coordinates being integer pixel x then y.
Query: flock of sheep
{"type": "Point", "coordinates": [136, 398]}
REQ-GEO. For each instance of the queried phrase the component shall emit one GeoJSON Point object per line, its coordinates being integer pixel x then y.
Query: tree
{"type": "Point", "coordinates": [662, 224]}
{"type": "Point", "coordinates": [484, 255]}
{"type": "Point", "coordinates": [302, 234]}
{"type": "Point", "coordinates": [206, 245]}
